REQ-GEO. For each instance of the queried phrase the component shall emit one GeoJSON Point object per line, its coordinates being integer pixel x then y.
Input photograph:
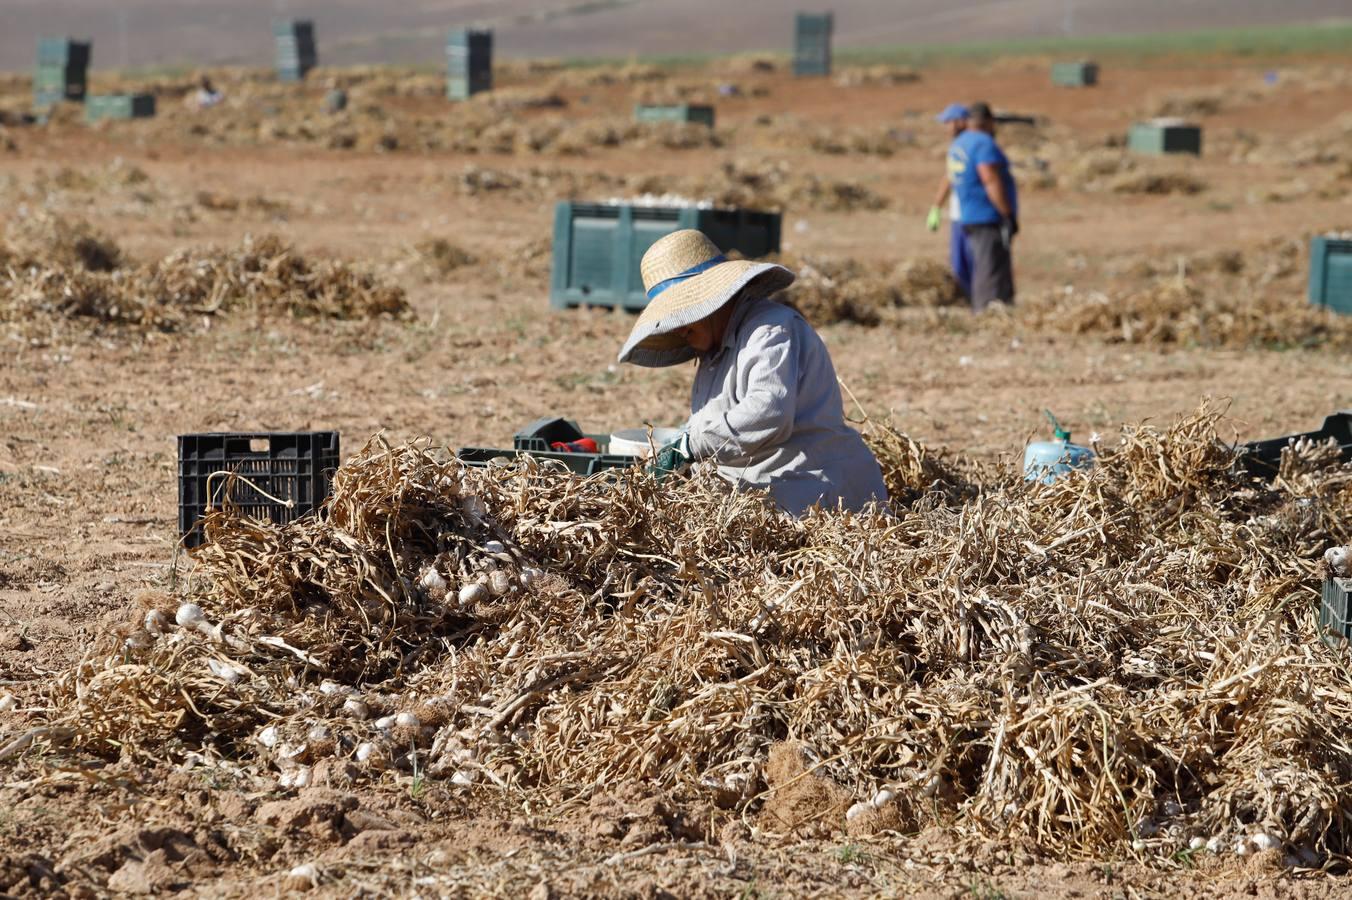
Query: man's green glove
{"type": "Point", "coordinates": [671, 458]}
{"type": "Point", "coordinates": [934, 218]}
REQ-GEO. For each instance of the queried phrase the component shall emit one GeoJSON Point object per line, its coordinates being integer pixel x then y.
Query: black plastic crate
{"type": "Point", "coordinates": [1334, 627]}
{"type": "Point", "coordinates": [542, 434]}
{"type": "Point", "coordinates": [580, 463]}
{"type": "Point", "coordinates": [1262, 458]}
{"type": "Point", "coordinates": [296, 468]}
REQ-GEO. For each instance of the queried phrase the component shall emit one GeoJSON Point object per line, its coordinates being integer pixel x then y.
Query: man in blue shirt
{"type": "Point", "coordinates": [955, 117]}
{"type": "Point", "coordinates": [989, 204]}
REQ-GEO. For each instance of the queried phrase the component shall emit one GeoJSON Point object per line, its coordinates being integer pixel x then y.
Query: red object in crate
{"type": "Point", "coordinates": [581, 445]}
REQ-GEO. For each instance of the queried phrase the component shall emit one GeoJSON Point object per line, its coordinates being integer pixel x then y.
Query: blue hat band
{"type": "Point", "coordinates": [684, 276]}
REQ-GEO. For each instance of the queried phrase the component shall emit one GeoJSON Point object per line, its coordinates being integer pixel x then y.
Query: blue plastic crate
{"type": "Point", "coordinates": [1331, 273]}
{"type": "Point", "coordinates": [598, 247]}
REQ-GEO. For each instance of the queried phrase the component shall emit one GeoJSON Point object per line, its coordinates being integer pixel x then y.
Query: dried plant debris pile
{"type": "Point", "coordinates": [78, 274]}
{"type": "Point", "coordinates": [1241, 300]}
{"type": "Point", "coordinates": [1123, 659]}
{"type": "Point", "coordinates": [846, 290]}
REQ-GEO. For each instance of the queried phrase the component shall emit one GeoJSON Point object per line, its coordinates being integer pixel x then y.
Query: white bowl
{"type": "Point", "coordinates": [635, 442]}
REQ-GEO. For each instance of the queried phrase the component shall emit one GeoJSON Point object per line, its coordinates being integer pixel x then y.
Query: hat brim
{"type": "Point", "coordinates": [654, 343]}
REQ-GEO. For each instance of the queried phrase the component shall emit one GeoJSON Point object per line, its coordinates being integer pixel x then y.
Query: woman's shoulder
{"type": "Point", "coordinates": [768, 312]}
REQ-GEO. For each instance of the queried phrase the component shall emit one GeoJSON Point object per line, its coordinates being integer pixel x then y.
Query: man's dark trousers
{"type": "Point", "coordinates": [992, 266]}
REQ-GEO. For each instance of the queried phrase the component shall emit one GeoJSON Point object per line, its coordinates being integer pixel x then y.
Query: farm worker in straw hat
{"type": "Point", "coordinates": [954, 116]}
{"type": "Point", "coordinates": [765, 405]}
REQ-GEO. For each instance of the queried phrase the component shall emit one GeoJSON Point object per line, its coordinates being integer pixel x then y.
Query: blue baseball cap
{"type": "Point", "coordinates": [952, 113]}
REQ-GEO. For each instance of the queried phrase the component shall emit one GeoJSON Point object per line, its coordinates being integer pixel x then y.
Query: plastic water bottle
{"type": "Point", "coordinates": [1047, 461]}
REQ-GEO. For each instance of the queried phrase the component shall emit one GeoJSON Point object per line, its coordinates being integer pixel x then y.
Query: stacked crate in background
{"type": "Point", "coordinates": [296, 54]}
{"type": "Point", "coordinates": [1159, 136]}
{"type": "Point", "coordinates": [812, 44]}
{"type": "Point", "coordinates": [1075, 74]}
{"type": "Point", "coordinates": [119, 106]}
{"type": "Point", "coordinates": [62, 71]}
{"type": "Point", "coordinates": [682, 112]}
{"type": "Point", "coordinates": [469, 63]}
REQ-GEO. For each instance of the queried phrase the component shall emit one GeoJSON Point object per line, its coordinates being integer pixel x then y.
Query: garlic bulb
{"type": "Point", "coordinates": [268, 736]}
{"type": "Point", "coordinates": [1265, 841]}
{"type": "Point", "coordinates": [372, 755]}
{"type": "Point", "coordinates": [432, 585]}
{"type": "Point", "coordinates": [356, 708]}
{"type": "Point", "coordinates": [191, 617]}
{"type": "Point", "coordinates": [225, 672]}
{"type": "Point", "coordinates": [302, 878]}
{"type": "Point", "coordinates": [882, 798]}
{"type": "Point", "coordinates": [155, 622]}
{"type": "Point", "coordinates": [472, 594]}
{"type": "Point", "coordinates": [407, 720]}
{"type": "Point", "coordinates": [499, 582]}
{"type": "Point", "coordinates": [857, 810]}
{"type": "Point", "coordinates": [295, 778]}
{"type": "Point", "coordinates": [494, 547]}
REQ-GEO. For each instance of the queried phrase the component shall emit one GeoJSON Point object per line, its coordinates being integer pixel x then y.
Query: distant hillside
{"type": "Point", "coordinates": [157, 32]}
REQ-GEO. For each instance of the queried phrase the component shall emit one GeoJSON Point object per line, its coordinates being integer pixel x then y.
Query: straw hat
{"type": "Point", "coordinates": [688, 279]}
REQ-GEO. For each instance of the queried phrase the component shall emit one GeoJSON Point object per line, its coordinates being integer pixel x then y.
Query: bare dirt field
{"type": "Point", "coordinates": [1146, 286]}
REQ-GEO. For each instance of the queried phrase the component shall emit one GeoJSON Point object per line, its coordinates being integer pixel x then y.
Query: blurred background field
{"type": "Point", "coordinates": [271, 263]}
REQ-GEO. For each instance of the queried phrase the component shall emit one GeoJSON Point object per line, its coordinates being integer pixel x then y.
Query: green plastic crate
{"type": "Point", "coordinates": [295, 49]}
{"type": "Point", "coordinates": [54, 82]}
{"type": "Point", "coordinates": [812, 44]}
{"type": "Point", "coordinates": [469, 63]}
{"type": "Point", "coordinates": [1335, 626]}
{"type": "Point", "coordinates": [119, 106]}
{"type": "Point", "coordinates": [598, 247]}
{"type": "Point", "coordinates": [1165, 136]}
{"type": "Point", "coordinates": [1331, 273]}
{"type": "Point", "coordinates": [64, 53]}
{"type": "Point", "coordinates": [684, 112]}
{"type": "Point", "coordinates": [1075, 74]}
